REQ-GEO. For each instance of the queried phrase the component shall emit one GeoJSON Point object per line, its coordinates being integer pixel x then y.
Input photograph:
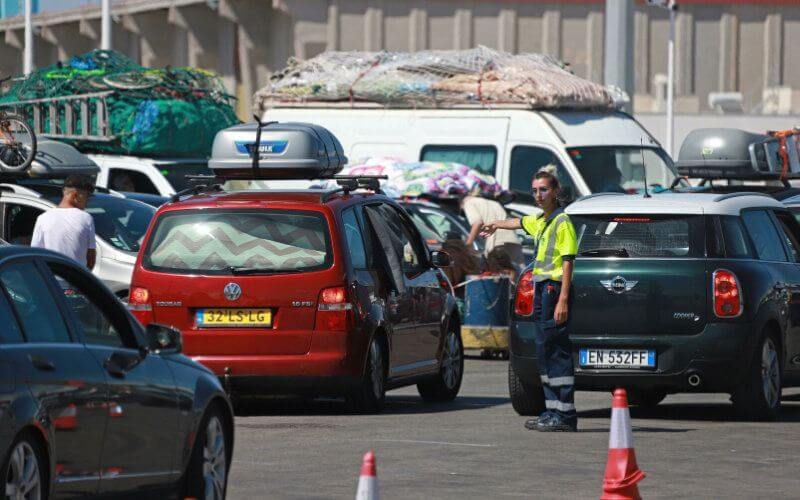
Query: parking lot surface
{"type": "Point", "coordinates": [477, 447]}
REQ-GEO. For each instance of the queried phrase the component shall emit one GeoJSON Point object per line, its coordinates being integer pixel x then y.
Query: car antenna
{"type": "Point", "coordinates": [644, 168]}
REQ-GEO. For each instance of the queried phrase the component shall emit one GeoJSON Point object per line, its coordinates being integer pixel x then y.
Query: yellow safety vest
{"type": "Point", "coordinates": [555, 241]}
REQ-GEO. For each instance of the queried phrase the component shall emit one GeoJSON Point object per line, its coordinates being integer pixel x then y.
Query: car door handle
{"type": "Point", "coordinates": [41, 363]}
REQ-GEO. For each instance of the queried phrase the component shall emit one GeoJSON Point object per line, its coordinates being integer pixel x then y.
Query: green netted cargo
{"type": "Point", "coordinates": [169, 112]}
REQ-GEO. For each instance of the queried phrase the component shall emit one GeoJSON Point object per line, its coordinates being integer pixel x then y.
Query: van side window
{"type": "Point", "coordinates": [735, 240]}
{"type": "Point", "coordinates": [121, 179]}
{"type": "Point", "coordinates": [355, 240]}
{"type": "Point", "coordinates": [525, 162]}
{"type": "Point", "coordinates": [764, 235]}
{"type": "Point", "coordinates": [481, 158]}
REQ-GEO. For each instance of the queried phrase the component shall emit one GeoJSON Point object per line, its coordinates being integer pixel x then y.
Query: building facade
{"type": "Point", "coordinates": [742, 53]}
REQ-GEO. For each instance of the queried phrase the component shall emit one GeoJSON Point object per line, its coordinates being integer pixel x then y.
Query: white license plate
{"type": "Point", "coordinates": [617, 358]}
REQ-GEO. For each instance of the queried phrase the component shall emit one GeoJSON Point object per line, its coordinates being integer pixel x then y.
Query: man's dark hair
{"type": "Point", "coordinates": [80, 182]}
{"type": "Point", "coordinates": [552, 180]}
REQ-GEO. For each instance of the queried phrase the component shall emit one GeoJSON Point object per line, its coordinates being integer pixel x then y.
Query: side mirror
{"type": "Point", "coordinates": [163, 339]}
{"type": "Point", "coordinates": [441, 259]}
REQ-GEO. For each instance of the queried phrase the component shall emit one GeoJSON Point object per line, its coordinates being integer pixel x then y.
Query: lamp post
{"type": "Point", "coordinates": [672, 7]}
{"type": "Point", "coordinates": [105, 25]}
{"type": "Point", "coordinates": [27, 55]}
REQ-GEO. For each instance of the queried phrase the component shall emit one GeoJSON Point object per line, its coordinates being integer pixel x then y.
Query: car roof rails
{"type": "Point", "coordinates": [597, 195]}
{"type": "Point", "coordinates": [348, 183]}
{"type": "Point", "coordinates": [204, 184]}
{"type": "Point", "coordinates": [728, 196]}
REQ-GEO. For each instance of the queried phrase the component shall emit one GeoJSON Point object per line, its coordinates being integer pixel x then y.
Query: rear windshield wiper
{"type": "Point", "coordinates": [605, 252]}
{"type": "Point", "coordinates": [261, 270]}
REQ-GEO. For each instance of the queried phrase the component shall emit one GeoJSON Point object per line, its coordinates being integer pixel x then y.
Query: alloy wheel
{"type": "Point", "coordinates": [23, 481]}
{"type": "Point", "coordinates": [770, 373]}
{"type": "Point", "coordinates": [376, 368]}
{"type": "Point", "coordinates": [451, 361]}
{"type": "Point", "coordinates": [214, 460]}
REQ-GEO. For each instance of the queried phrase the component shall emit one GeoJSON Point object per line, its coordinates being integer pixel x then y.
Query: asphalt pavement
{"type": "Point", "coordinates": [690, 446]}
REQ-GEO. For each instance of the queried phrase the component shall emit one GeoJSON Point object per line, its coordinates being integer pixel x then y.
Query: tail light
{"type": "Point", "coordinates": [523, 302]}
{"type": "Point", "coordinates": [334, 312]}
{"type": "Point", "coordinates": [727, 294]}
{"type": "Point", "coordinates": [139, 305]}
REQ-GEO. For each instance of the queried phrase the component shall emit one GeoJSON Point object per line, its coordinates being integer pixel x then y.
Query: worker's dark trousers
{"type": "Point", "coordinates": [553, 352]}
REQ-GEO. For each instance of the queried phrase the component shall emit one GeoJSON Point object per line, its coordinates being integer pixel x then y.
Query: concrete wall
{"type": "Point", "coordinates": [744, 46]}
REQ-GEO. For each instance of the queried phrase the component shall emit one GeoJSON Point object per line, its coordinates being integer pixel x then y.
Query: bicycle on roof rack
{"type": "Point", "coordinates": [17, 143]}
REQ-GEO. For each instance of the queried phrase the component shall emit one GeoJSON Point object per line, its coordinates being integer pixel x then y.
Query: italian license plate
{"type": "Point", "coordinates": [617, 358]}
{"type": "Point", "coordinates": [240, 318]}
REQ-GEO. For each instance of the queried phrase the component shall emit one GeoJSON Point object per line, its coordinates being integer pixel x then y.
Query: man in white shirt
{"type": "Point", "coordinates": [480, 211]}
{"type": "Point", "coordinates": [68, 229]}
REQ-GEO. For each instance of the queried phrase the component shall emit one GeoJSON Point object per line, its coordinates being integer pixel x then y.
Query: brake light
{"type": "Point", "coordinates": [523, 302]}
{"type": "Point", "coordinates": [727, 294]}
{"type": "Point", "coordinates": [334, 312]}
{"type": "Point", "coordinates": [139, 305]}
{"type": "Point", "coordinates": [633, 219]}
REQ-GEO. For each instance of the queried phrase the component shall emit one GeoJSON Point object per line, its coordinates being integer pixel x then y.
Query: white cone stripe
{"type": "Point", "coordinates": [367, 488]}
{"type": "Point", "coordinates": [620, 435]}
{"type": "Point", "coordinates": [558, 405]}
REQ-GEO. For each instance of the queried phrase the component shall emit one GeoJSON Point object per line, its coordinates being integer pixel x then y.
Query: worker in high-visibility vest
{"type": "Point", "coordinates": [556, 246]}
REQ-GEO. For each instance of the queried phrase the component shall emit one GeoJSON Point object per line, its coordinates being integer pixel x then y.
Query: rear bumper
{"type": "Point", "coordinates": [718, 356]}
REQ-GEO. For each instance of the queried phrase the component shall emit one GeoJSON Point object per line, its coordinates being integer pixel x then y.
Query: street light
{"type": "Point", "coordinates": [672, 7]}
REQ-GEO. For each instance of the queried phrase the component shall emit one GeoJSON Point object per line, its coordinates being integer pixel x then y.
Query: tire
{"type": "Point", "coordinates": [446, 384]}
{"type": "Point", "coordinates": [370, 395]}
{"type": "Point", "coordinates": [526, 399]}
{"type": "Point", "coordinates": [17, 144]}
{"type": "Point", "coordinates": [207, 474]}
{"type": "Point", "coordinates": [645, 398]}
{"type": "Point", "coordinates": [758, 397]}
{"type": "Point", "coordinates": [26, 466]}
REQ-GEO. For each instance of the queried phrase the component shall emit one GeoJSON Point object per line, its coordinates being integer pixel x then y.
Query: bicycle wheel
{"type": "Point", "coordinates": [17, 143]}
{"type": "Point", "coordinates": [132, 80]}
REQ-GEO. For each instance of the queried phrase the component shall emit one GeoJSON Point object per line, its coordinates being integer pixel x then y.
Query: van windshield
{"type": "Point", "coordinates": [225, 242]}
{"type": "Point", "coordinates": [623, 169]}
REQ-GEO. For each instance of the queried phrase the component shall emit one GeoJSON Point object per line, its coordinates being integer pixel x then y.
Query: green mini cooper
{"type": "Point", "coordinates": [678, 292]}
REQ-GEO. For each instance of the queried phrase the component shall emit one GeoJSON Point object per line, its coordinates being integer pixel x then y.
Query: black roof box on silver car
{"type": "Point", "coordinates": [727, 153]}
{"type": "Point", "coordinates": [286, 151]}
{"type": "Point", "coordinates": [54, 160]}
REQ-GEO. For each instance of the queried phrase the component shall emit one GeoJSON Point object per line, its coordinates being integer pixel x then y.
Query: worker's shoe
{"type": "Point", "coordinates": [558, 424]}
{"type": "Point", "coordinates": [531, 424]}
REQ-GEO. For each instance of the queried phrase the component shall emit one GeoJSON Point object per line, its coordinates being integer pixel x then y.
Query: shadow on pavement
{"type": "Point", "coordinates": [395, 405]}
{"type": "Point", "coordinates": [707, 412]}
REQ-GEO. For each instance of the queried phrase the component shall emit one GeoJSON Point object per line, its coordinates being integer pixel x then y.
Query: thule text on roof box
{"type": "Point", "coordinates": [284, 151]}
{"type": "Point", "coordinates": [726, 153]}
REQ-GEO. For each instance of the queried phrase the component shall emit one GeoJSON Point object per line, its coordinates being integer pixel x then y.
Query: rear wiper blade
{"type": "Point", "coordinates": [605, 252]}
{"type": "Point", "coordinates": [261, 270]}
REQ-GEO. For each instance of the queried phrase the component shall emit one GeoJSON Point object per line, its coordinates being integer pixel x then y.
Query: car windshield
{"type": "Point", "coordinates": [176, 173]}
{"type": "Point", "coordinates": [119, 221]}
{"type": "Point", "coordinates": [623, 169]}
{"type": "Point", "coordinates": [224, 242]}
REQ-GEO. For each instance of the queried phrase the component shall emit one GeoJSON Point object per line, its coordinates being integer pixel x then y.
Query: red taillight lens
{"type": "Point", "coordinates": [334, 313]}
{"type": "Point", "coordinates": [523, 302]}
{"type": "Point", "coordinates": [727, 294]}
{"type": "Point", "coordinates": [139, 305]}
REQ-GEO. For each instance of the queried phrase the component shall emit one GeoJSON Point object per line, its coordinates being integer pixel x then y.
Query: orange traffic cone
{"type": "Point", "coordinates": [622, 473]}
{"type": "Point", "coordinates": [368, 482]}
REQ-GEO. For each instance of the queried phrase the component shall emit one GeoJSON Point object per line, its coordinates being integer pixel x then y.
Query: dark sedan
{"type": "Point", "coordinates": [91, 403]}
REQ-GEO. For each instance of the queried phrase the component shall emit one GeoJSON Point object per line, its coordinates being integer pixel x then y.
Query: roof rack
{"type": "Point", "coordinates": [349, 183]}
{"type": "Point", "coordinates": [728, 196]}
{"type": "Point", "coordinates": [205, 184]}
{"type": "Point", "coordinates": [597, 195]}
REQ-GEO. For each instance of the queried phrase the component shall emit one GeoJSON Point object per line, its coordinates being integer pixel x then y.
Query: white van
{"type": "Point", "coordinates": [156, 176]}
{"type": "Point", "coordinates": [593, 151]}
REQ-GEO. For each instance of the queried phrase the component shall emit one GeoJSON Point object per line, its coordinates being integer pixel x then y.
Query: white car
{"type": "Point", "coordinates": [163, 177]}
{"type": "Point", "coordinates": [120, 224]}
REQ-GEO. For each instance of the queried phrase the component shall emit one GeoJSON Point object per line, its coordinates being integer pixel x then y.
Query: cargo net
{"type": "Point", "coordinates": [436, 78]}
{"type": "Point", "coordinates": [151, 112]}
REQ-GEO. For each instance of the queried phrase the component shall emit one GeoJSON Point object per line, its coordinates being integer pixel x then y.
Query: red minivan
{"type": "Point", "coordinates": [312, 292]}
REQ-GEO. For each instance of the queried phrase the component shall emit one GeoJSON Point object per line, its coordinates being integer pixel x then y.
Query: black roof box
{"type": "Point", "coordinates": [286, 151]}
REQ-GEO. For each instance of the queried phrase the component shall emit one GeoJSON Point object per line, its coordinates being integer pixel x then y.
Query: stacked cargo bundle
{"type": "Point", "coordinates": [102, 101]}
{"type": "Point", "coordinates": [439, 78]}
